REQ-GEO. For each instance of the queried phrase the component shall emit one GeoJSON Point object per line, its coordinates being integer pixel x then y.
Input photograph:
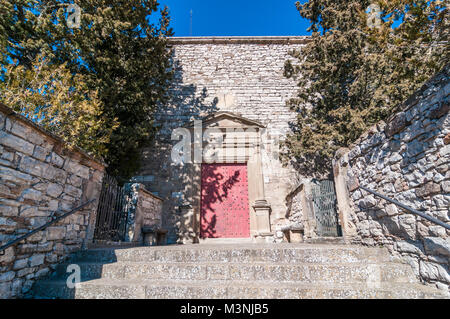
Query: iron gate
{"type": "Point", "coordinates": [112, 211]}
{"type": "Point", "coordinates": [324, 203]}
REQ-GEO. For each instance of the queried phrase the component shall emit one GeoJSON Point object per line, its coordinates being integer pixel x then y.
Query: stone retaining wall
{"type": "Point", "coordinates": [407, 159]}
{"type": "Point", "coordinates": [39, 177]}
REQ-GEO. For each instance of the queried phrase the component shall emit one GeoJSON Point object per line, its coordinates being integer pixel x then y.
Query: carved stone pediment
{"type": "Point", "coordinates": [227, 120]}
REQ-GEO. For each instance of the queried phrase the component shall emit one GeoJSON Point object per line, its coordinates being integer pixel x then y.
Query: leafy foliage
{"type": "Point", "coordinates": [117, 59]}
{"type": "Point", "coordinates": [59, 102]}
{"type": "Point", "coordinates": [351, 75]}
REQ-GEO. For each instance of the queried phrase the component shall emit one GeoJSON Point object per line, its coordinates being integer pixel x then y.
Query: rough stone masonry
{"type": "Point", "coordinates": [38, 177]}
{"type": "Point", "coordinates": [240, 75]}
{"type": "Point", "coordinates": [407, 158]}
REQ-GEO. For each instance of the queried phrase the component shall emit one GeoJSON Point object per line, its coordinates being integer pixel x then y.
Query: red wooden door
{"type": "Point", "coordinates": [224, 201]}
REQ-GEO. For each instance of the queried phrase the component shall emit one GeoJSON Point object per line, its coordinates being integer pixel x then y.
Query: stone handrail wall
{"type": "Point", "coordinates": [406, 158]}
{"type": "Point", "coordinates": [38, 177]}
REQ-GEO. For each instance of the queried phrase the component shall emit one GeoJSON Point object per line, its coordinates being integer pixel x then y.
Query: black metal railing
{"type": "Point", "coordinates": [54, 220]}
{"type": "Point", "coordinates": [407, 208]}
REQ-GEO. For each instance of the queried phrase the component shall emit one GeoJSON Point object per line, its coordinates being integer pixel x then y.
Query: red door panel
{"type": "Point", "coordinates": [224, 201]}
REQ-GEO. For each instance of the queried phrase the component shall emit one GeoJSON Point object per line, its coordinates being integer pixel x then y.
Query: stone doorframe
{"type": "Point", "coordinates": [241, 143]}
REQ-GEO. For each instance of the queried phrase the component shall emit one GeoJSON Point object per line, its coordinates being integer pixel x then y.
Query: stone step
{"type": "Point", "coordinates": [298, 272]}
{"type": "Point", "coordinates": [208, 289]}
{"type": "Point", "coordinates": [290, 253]}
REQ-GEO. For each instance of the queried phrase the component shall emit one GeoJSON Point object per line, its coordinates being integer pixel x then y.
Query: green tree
{"type": "Point", "coordinates": [119, 50]}
{"type": "Point", "coordinates": [354, 73]}
{"type": "Point", "coordinates": [60, 102]}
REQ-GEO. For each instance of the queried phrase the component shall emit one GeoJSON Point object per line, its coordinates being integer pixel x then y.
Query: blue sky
{"type": "Point", "coordinates": [236, 17]}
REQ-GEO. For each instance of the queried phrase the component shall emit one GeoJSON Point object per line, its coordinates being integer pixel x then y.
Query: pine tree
{"type": "Point", "coordinates": [354, 72]}
{"type": "Point", "coordinates": [60, 102]}
{"type": "Point", "coordinates": [118, 51]}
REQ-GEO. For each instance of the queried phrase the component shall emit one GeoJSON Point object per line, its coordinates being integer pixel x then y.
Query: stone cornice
{"type": "Point", "coordinates": [240, 40]}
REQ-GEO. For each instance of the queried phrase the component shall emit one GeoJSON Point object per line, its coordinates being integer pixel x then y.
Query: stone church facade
{"type": "Point", "coordinates": [232, 83]}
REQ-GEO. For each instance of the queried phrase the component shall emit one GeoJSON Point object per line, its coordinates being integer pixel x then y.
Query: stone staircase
{"type": "Point", "coordinates": [236, 271]}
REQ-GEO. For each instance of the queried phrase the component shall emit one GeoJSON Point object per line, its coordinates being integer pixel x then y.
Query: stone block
{"type": "Point", "coordinates": [428, 189]}
{"type": "Point", "coordinates": [437, 246]}
{"type": "Point", "coordinates": [51, 258]}
{"type": "Point", "coordinates": [391, 210]}
{"type": "Point", "coordinates": [57, 160]}
{"type": "Point", "coordinates": [7, 222]}
{"type": "Point", "coordinates": [8, 211]}
{"type": "Point", "coordinates": [44, 247]}
{"type": "Point", "coordinates": [396, 125]}
{"type": "Point", "coordinates": [31, 194]}
{"type": "Point", "coordinates": [32, 211]}
{"type": "Point", "coordinates": [446, 186]}
{"type": "Point", "coordinates": [8, 174]}
{"type": "Point", "coordinates": [415, 148]}
{"type": "Point", "coordinates": [37, 237]}
{"type": "Point", "coordinates": [439, 110]}
{"type": "Point", "coordinates": [410, 247]}
{"type": "Point", "coordinates": [352, 183]}
{"type": "Point", "coordinates": [36, 260]}
{"type": "Point", "coordinates": [73, 191]}
{"type": "Point", "coordinates": [24, 272]}
{"type": "Point", "coordinates": [5, 290]}
{"type": "Point", "coordinates": [34, 167]}
{"type": "Point", "coordinates": [433, 271]}
{"type": "Point", "coordinates": [40, 153]}
{"type": "Point", "coordinates": [395, 158]}
{"type": "Point", "coordinates": [367, 202]}
{"type": "Point", "coordinates": [27, 286]}
{"type": "Point", "coordinates": [444, 151]}
{"type": "Point", "coordinates": [16, 143]}
{"type": "Point", "coordinates": [8, 256]}
{"type": "Point", "coordinates": [42, 273]}
{"type": "Point", "coordinates": [75, 181]}
{"type": "Point", "coordinates": [54, 190]}
{"type": "Point", "coordinates": [28, 133]}
{"type": "Point", "coordinates": [77, 169]}
{"type": "Point", "coordinates": [20, 264]}
{"type": "Point", "coordinates": [56, 233]}
{"type": "Point", "coordinates": [7, 276]}
{"type": "Point", "coordinates": [16, 287]}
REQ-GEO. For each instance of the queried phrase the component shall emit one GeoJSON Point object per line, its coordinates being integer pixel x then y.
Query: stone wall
{"type": "Point", "coordinates": [407, 159]}
{"type": "Point", "coordinates": [239, 75]}
{"type": "Point", "coordinates": [39, 178]}
{"type": "Point", "coordinates": [151, 207]}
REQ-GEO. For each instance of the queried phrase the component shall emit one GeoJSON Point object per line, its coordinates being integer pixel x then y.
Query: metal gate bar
{"type": "Point", "coordinates": [112, 212]}
{"type": "Point", "coordinates": [324, 203]}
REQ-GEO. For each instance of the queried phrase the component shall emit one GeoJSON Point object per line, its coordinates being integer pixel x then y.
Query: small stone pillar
{"type": "Point", "coordinates": [149, 236]}
{"type": "Point", "coordinates": [262, 212]}
{"type": "Point", "coordinates": [186, 225]}
{"type": "Point", "coordinates": [296, 234]}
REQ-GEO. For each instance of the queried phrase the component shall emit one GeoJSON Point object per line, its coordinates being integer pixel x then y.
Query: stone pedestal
{"type": "Point", "coordinates": [150, 239]}
{"type": "Point", "coordinates": [262, 213]}
{"type": "Point", "coordinates": [186, 225]}
{"type": "Point", "coordinates": [296, 235]}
